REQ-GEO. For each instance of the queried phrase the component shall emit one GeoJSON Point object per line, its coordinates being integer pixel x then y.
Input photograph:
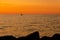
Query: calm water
{"type": "Point", "coordinates": [18, 25]}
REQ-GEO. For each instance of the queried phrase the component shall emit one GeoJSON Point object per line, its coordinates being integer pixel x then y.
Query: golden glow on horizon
{"type": "Point", "coordinates": [30, 6]}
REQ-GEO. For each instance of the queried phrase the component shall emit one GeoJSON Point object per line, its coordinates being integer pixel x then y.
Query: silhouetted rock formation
{"type": "Point", "coordinates": [32, 36]}
{"type": "Point", "coordinates": [7, 38]}
{"type": "Point", "coordinates": [45, 38]}
{"type": "Point", "coordinates": [56, 37]}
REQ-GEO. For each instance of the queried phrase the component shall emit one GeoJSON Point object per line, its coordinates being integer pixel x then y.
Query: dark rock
{"type": "Point", "coordinates": [56, 37]}
{"type": "Point", "coordinates": [32, 36]}
{"type": "Point", "coordinates": [46, 38]}
{"type": "Point", "coordinates": [7, 38]}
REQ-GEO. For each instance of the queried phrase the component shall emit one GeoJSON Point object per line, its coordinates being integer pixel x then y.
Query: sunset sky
{"type": "Point", "coordinates": [30, 6]}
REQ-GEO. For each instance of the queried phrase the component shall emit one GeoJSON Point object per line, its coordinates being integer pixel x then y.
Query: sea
{"type": "Point", "coordinates": [22, 25]}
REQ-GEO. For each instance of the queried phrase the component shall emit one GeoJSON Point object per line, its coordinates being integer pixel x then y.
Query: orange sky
{"type": "Point", "coordinates": [30, 6]}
